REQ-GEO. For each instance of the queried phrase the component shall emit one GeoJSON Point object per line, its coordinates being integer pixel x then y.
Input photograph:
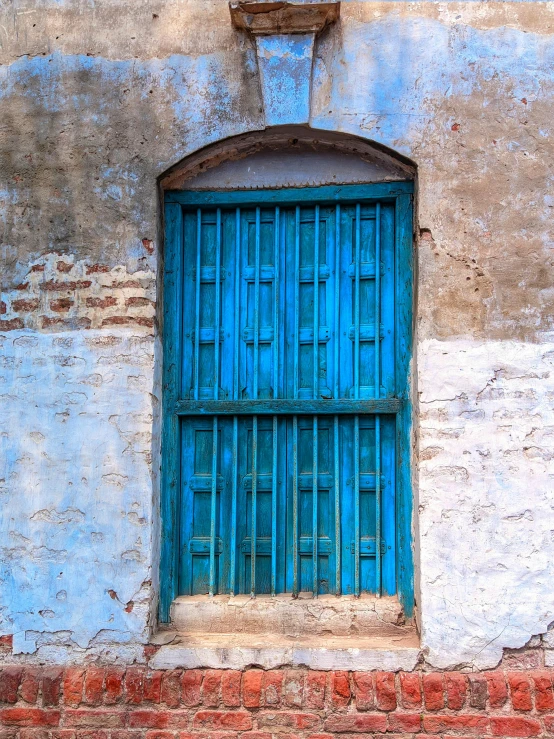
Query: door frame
{"type": "Point", "coordinates": [401, 194]}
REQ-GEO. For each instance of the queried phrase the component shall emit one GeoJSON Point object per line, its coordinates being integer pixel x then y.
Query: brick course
{"type": "Point", "coordinates": [97, 702]}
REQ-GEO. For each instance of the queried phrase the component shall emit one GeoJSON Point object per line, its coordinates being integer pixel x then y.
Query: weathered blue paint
{"type": "Point", "coordinates": [266, 344]}
{"type": "Point", "coordinates": [285, 64]}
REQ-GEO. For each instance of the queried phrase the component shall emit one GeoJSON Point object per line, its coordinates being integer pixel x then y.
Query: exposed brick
{"type": "Point", "coordinates": [134, 677]}
{"type": "Point", "coordinates": [251, 688]}
{"type": "Point", "coordinates": [410, 722]}
{"type": "Point", "coordinates": [462, 723]}
{"type": "Point", "coordinates": [62, 734]}
{"type": "Point", "coordinates": [230, 688]}
{"type": "Point", "coordinates": [314, 689]}
{"type": "Point", "coordinates": [73, 683]}
{"type": "Point", "coordinates": [171, 688]}
{"type": "Point", "coordinates": [298, 721]}
{"type": "Point", "coordinates": [211, 688]}
{"type": "Point", "coordinates": [107, 302]}
{"type": "Point", "coordinates": [94, 686]}
{"type": "Point", "coordinates": [149, 650]}
{"type": "Point", "coordinates": [433, 691]}
{"type": "Point", "coordinates": [28, 690]}
{"type": "Point", "coordinates": [51, 686]}
{"type": "Point", "coordinates": [293, 688]}
{"type": "Point", "coordinates": [478, 692]}
{"type": "Point", "coordinates": [410, 689]}
{"type": "Point", "coordinates": [520, 690]}
{"type": "Point", "coordinates": [128, 321]}
{"type": "Point", "coordinates": [90, 734]}
{"type": "Point", "coordinates": [191, 681]}
{"type": "Point", "coordinates": [96, 268]}
{"type": "Point", "coordinates": [69, 323]}
{"type": "Point", "coordinates": [226, 720]}
{"type": "Point", "coordinates": [13, 324]}
{"type": "Point", "coordinates": [152, 686]}
{"type": "Point", "coordinates": [34, 733]}
{"type": "Point", "coordinates": [101, 719]}
{"type": "Point", "coordinates": [514, 726]}
{"type": "Point", "coordinates": [341, 723]}
{"type": "Point", "coordinates": [544, 698]}
{"type": "Point", "coordinates": [385, 694]}
{"type": "Point", "coordinates": [64, 267]}
{"type": "Point", "coordinates": [28, 717]}
{"type": "Point", "coordinates": [137, 302]}
{"type": "Point", "coordinates": [549, 723]}
{"type": "Point", "coordinates": [148, 245]}
{"type": "Point", "coordinates": [114, 685]}
{"type": "Point", "coordinates": [498, 691]}
{"type": "Point", "coordinates": [53, 286]}
{"type": "Point", "coordinates": [22, 286]}
{"type": "Point", "coordinates": [25, 305]}
{"type": "Point", "coordinates": [3, 310]}
{"type": "Point", "coordinates": [456, 689]}
{"type": "Point", "coordinates": [37, 268]}
{"type": "Point", "coordinates": [10, 677]}
{"type": "Point", "coordinates": [340, 689]}
{"type": "Point", "coordinates": [158, 719]}
{"type": "Point", "coordinates": [61, 305]}
{"type": "Point", "coordinates": [155, 734]}
{"type": "Point", "coordinates": [363, 690]}
{"type": "Point", "coordinates": [118, 284]}
{"type": "Point", "coordinates": [523, 659]}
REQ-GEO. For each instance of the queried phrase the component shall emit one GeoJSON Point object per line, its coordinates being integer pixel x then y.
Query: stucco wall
{"type": "Point", "coordinates": [97, 102]}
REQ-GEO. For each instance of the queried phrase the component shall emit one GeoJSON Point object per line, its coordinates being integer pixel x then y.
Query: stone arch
{"type": "Point", "coordinates": [287, 156]}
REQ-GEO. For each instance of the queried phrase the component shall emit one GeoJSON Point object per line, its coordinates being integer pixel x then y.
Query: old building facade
{"type": "Point", "coordinates": [166, 168]}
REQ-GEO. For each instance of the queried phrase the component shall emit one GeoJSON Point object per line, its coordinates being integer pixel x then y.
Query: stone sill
{"type": "Point", "coordinates": [323, 633]}
{"type": "Point", "coordinates": [270, 651]}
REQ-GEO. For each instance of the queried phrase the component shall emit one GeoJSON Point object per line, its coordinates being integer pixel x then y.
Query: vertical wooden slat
{"type": "Point", "coordinates": [295, 506]}
{"type": "Point", "coordinates": [213, 511]}
{"type": "Point", "coordinates": [276, 278]}
{"type": "Point", "coordinates": [234, 483]}
{"type": "Point", "coordinates": [314, 505]}
{"type": "Point", "coordinates": [256, 359]}
{"type": "Point", "coordinates": [337, 506]}
{"type": "Point", "coordinates": [197, 302]}
{"type": "Point", "coordinates": [378, 395]}
{"type": "Point", "coordinates": [316, 395]}
{"type": "Point", "coordinates": [217, 318]}
{"type": "Point", "coordinates": [295, 584]}
{"type": "Point", "coordinates": [356, 506]}
{"type": "Point", "coordinates": [357, 396]}
{"type": "Point", "coordinates": [336, 396]}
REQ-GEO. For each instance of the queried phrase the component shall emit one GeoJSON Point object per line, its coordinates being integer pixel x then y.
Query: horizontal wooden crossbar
{"type": "Point", "coordinates": [285, 407]}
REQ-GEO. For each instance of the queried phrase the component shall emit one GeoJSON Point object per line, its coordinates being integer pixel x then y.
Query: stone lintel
{"type": "Point", "coordinates": [270, 17]}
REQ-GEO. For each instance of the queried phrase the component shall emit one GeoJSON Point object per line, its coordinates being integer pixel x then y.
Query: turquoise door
{"type": "Point", "coordinates": [288, 402]}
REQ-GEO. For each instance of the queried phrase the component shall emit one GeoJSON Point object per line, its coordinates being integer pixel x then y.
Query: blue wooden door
{"type": "Point", "coordinates": [288, 397]}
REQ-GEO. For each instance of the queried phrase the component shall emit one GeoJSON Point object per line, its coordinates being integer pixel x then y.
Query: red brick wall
{"type": "Point", "coordinates": [134, 703]}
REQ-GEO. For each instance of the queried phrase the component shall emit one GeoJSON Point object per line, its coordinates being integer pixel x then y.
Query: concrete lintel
{"type": "Point", "coordinates": [269, 17]}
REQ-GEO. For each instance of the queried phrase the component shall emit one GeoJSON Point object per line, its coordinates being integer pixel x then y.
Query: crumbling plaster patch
{"type": "Point", "coordinates": [486, 439]}
{"type": "Point", "coordinates": [76, 512]}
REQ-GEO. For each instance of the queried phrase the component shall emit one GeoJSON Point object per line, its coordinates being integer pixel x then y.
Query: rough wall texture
{"type": "Point", "coordinates": [97, 102]}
